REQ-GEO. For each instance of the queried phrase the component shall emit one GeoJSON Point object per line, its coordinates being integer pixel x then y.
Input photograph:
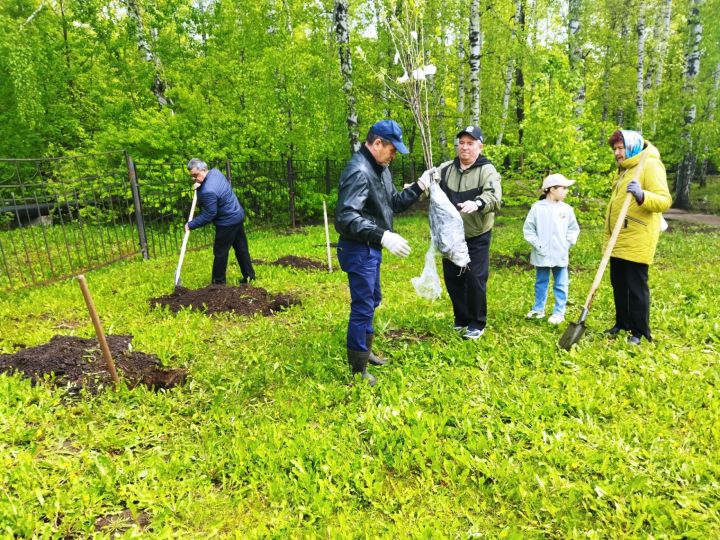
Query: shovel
{"type": "Point", "coordinates": [575, 331]}
{"type": "Point", "coordinates": [185, 238]}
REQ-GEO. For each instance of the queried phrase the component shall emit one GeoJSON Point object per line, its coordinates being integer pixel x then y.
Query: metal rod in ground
{"type": "Point", "coordinates": [98, 330]}
{"type": "Point", "coordinates": [327, 237]}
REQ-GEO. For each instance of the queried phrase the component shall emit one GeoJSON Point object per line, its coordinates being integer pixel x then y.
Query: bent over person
{"type": "Point", "coordinates": [472, 184]}
{"type": "Point", "coordinates": [367, 200]}
{"type": "Point", "coordinates": [221, 207]}
{"type": "Point", "coordinates": [634, 250]}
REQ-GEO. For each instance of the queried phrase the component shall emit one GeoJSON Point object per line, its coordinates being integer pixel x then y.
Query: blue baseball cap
{"type": "Point", "coordinates": [390, 131]}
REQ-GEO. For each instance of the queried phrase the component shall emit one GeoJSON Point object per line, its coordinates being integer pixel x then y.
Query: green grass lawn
{"type": "Point", "coordinates": [507, 437]}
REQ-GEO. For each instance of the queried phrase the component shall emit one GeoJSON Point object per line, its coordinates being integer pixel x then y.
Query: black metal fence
{"type": "Point", "coordinates": [63, 216]}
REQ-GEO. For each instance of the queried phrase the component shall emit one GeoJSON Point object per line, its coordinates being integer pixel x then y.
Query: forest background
{"type": "Point", "coordinates": [547, 81]}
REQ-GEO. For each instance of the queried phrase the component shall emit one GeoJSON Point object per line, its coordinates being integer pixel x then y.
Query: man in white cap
{"type": "Point", "coordinates": [367, 200]}
{"type": "Point", "coordinates": [472, 183]}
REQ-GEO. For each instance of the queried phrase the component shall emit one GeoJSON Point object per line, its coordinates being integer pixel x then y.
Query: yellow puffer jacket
{"type": "Point", "coordinates": [641, 229]}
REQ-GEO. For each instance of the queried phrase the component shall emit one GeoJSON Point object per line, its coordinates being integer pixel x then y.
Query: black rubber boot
{"type": "Point", "coordinates": [358, 361]}
{"type": "Point", "coordinates": [374, 360]}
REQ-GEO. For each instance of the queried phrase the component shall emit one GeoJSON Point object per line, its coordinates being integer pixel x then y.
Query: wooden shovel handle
{"type": "Point", "coordinates": [185, 240]}
{"type": "Point", "coordinates": [613, 239]}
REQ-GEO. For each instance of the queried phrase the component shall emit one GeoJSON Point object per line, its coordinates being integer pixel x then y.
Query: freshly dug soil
{"type": "Point", "coordinates": [300, 262]}
{"type": "Point", "coordinates": [243, 300]}
{"type": "Point", "coordinates": [79, 363]}
{"type": "Point", "coordinates": [521, 260]}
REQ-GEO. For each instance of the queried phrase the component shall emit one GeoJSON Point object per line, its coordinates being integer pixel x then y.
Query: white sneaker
{"type": "Point", "coordinates": [535, 315]}
{"type": "Point", "coordinates": [556, 319]}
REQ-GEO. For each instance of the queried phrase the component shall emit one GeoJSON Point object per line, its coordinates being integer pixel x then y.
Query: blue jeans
{"type": "Point", "coordinates": [362, 265]}
{"type": "Point", "coordinates": [560, 288]}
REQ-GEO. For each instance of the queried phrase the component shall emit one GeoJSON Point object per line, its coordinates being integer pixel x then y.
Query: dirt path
{"type": "Point", "coordinates": [684, 215]}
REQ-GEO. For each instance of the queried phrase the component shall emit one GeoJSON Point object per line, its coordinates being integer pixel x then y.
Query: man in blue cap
{"type": "Point", "coordinates": [367, 200]}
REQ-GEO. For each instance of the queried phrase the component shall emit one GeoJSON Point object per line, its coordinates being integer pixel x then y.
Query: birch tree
{"type": "Point", "coordinates": [460, 120]}
{"type": "Point", "coordinates": [342, 35]}
{"type": "Point", "coordinates": [509, 72]}
{"type": "Point", "coordinates": [520, 89]}
{"type": "Point", "coordinates": [475, 46]}
{"type": "Point", "coordinates": [159, 86]}
{"type": "Point", "coordinates": [640, 78]}
{"type": "Point", "coordinates": [686, 170]}
{"type": "Point", "coordinates": [575, 55]}
{"type": "Point", "coordinates": [660, 58]}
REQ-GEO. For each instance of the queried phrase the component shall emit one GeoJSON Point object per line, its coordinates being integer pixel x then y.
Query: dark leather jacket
{"type": "Point", "coordinates": [367, 200]}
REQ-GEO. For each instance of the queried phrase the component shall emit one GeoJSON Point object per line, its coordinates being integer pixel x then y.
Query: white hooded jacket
{"type": "Point", "coordinates": [551, 229]}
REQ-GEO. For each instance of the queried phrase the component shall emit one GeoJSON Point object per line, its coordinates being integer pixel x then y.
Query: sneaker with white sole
{"type": "Point", "coordinates": [535, 315]}
{"type": "Point", "coordinates": [474, 333]}
{"type": "Point", "coordinates": [556, 319]}
{"type": "Point", "coordinates": [459, 328]}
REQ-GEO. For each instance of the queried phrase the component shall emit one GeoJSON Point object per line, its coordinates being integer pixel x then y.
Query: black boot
{"type": "Point", "coordinates": [374, 360]}
{"type": "Point", "coordinates": [358, 361]}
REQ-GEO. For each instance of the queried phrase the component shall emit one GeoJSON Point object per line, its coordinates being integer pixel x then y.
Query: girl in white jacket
{"type": "Point", "coordinates": [551, 229]}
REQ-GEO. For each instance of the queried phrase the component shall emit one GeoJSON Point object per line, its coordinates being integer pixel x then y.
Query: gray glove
{"type": "Point", "coordinates": [634, 188]}
{"type": "Point", "coordinates": [395, 244]}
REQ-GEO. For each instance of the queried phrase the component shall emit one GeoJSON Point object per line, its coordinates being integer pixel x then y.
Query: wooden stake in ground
{"type": "Point", "coordinates": [327, 237]}
{"type": "Point", "coordinates": [98, 330]}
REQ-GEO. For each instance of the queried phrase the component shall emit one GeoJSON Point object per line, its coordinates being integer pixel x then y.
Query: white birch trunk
{"type": "Point", "coordinates": [640, 79]}
{"type": "Point", "coordinates": [460, 121]}
{"type": "Point", "coordinates": [342, 34]}
{"type": "Point", "coordinates": [661, 57]}
{"type": "Point", "coordinates": [475, 45]}
{"type": "Point", "coordinates": [575, 55]}
{"type": "Point", "coordinates": [509, 71]}
{"type": "Point", "coordinates": [143, 45]}
{"type": "Point", "coordinates": [686, 170]}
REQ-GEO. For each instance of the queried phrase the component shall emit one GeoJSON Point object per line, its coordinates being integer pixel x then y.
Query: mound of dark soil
{"type": "Point", "coordinates": [243, 300]}
{"type": "Point", "coordinates": [299, 262]}
{"type": "Point", "coordinates": [519, 260]}
{"type": "Point", "coordinates": [79, 363]}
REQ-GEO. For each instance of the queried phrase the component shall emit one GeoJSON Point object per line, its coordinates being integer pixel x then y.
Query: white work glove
{"type": "Point", "coordinates": [426, 178]}
{"type": "Point", "coordinates": [468, 207]}
{"type": "Point", "coordinates": [395, 244]}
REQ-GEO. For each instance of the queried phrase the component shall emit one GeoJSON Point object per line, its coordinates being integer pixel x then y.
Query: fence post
{"type": "Point", "coordinates": [327, 176]}
{"type": "Point", "coordinates": [291, 188]}
{"type": "Point", "coordinates": [132, 176]}
{"type": "Point", "coordinates": [228, 170]}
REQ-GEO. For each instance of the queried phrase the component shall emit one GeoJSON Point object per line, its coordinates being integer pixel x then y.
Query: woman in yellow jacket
{"type": "Point", "coordinates": [635, 248]}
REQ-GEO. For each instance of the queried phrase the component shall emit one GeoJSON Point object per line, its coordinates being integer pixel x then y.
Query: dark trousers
{"type": "Point", "coordinates": [225, 238]}
{"type": "Point", "coordinates": [362, 265]}
{"type": "Point", "coordinates": [468, 288]}
{"type": "Point", "coordinates": [632, 296]}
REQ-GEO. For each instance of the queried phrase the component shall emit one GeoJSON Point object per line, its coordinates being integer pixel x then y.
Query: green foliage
{"type": "Point", "coordinates": [262, 81]}
{"type": "Point", "coordinates": [508, 437]}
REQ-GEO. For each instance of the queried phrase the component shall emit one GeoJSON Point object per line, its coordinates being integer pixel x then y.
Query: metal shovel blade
{"type": "Point", "coordinates": [572, 335]}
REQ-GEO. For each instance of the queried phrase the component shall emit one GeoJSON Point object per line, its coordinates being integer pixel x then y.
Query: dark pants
{"type": "Point", "coordinates": [468, 288]}
{"type": "Point", "coordinates": [362, 265]}
{"type": "Point", "coordinates": [226, 237]}
{"type": "Point", "coordinates": [632, 296]}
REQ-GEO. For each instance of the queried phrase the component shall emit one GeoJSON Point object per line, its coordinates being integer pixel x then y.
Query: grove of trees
{"type": "Point", "coordinates": [547, 80]}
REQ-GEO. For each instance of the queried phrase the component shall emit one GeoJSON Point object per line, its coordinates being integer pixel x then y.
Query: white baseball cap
{"type": "Point", "coordinates": [556, 180]}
